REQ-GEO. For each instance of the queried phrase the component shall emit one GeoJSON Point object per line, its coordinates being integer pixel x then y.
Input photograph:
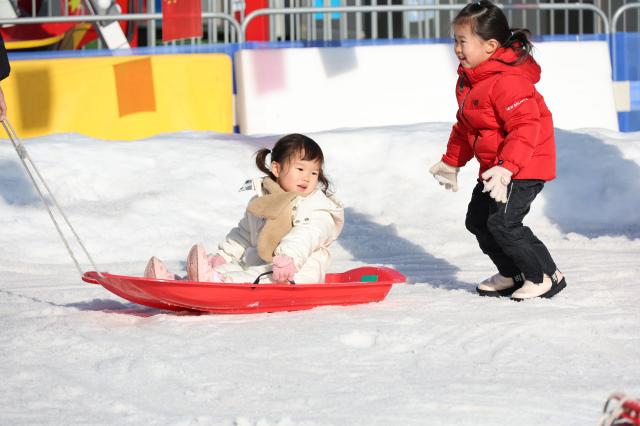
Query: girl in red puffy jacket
{"type": "Point", "coordinates": [505, 124]}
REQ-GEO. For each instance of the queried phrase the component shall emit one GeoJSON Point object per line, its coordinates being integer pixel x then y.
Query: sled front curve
{"type": "Point", "coordinates": [360, 285]}
{"type": "Point", "coordinates": [123, 286]}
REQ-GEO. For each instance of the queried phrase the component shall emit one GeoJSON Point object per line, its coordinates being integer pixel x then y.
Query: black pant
{"type": "Point", "coordinates": [498, 227]}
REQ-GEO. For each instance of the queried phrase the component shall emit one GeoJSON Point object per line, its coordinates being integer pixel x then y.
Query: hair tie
{"type": "Point", "coordinates": [510, 38]}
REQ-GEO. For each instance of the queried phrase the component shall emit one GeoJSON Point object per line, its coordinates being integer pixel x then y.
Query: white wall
{"type": "Point", "coordinates": [576, 84]}
{"type": "Point", "coordinates": [312, 89]}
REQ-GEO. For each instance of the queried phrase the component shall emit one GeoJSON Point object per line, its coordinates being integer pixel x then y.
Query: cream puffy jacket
{"type": "Point", "coordinates": [317, 221]}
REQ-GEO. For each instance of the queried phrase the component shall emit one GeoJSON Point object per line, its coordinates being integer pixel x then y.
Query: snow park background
{"type": "Point", "coordinates": [432, 352]}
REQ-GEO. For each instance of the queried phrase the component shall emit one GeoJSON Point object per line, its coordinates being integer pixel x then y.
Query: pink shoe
{"type": "Point", "coordinates": [157, 270]}
{"type": "Point", "coordinates": [199, 267]}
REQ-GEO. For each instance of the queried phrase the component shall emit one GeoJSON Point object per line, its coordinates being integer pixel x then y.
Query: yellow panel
{"type": "Point", "coordinates": [80, 95]}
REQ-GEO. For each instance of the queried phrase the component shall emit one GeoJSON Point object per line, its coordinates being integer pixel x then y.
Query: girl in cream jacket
{"type": "Point", "coordinates": [287, 227]}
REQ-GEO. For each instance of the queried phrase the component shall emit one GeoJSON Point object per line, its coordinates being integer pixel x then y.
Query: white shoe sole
{"type": "Point", "coordinates": [555, 289]}
{"type": "Point", "coordinates": [518, 282]}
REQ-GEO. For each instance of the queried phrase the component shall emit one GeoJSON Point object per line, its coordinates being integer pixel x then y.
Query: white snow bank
{"type": "Point", "coordinates": [431, 353]}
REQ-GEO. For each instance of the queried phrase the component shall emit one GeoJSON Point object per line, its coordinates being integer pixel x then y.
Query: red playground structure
{"type": "Point", "coordinates": [66, 35]}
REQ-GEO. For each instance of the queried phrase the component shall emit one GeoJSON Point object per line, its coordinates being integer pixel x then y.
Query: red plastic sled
{"type": "Point", "coordinates": [361, 285]}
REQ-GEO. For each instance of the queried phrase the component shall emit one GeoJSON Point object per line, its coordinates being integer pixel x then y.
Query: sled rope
{"type": "Point", "coordinates": [21, 150]}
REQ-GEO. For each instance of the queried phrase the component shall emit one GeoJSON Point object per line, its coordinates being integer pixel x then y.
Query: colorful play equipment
{"type": "Point", "coordinates": [70, 35]}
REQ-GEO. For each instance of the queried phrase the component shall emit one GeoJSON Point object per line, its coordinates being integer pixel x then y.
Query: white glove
{"type": "Point", "coordinates": [446, 175]}
{"type": "Point", "coordinates": [496, 180]}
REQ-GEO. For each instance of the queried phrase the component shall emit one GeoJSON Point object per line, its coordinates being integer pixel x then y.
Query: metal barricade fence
{"type": "Point", "coordinates": [614, 25]}
{"type": "Point", "coordinates": [307, 28]}
{"type": "Point", "coordinates": [353, 20]}
{"type": "Point", "coordinates": [630, 23]}
{"type": "Point", "coordinates": [430, 19]}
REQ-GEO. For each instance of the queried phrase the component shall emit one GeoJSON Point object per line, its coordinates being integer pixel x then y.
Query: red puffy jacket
{"type": "Point", "coordinates": [502, 119]}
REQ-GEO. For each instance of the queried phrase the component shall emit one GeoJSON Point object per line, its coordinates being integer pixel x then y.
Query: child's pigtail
{"type": "Point", "coordinates": [261, 162]}
{"type": "Point", "coordinates": [520, 43]}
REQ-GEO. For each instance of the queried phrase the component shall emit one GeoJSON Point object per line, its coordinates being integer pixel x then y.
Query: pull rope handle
{"type": "Point", "coordinates": [26, 161]}
{"type": "Point", "coordinates": [257, 280]}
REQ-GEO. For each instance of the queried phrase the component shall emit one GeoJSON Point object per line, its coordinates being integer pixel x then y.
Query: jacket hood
{"type": "Point", "coordinates": [528, 68]}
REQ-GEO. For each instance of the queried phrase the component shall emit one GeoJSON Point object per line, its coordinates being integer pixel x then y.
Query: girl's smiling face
{"type": "Point", "coordinates": [470, 49]}
{"type": "Point", "coordinates": [297, 175]}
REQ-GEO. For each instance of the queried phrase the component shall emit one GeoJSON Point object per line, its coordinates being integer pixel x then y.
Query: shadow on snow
{"type": "Point", "coordinates": [372, 243]}
{"type": "Point", "coordinates": [596, 191]}
{"type": "Point", "coordinates": [15, 186]}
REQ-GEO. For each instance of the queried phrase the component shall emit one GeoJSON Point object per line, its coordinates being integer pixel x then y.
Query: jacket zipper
{"type": "Point", "coordinates": [506, 205]}
{"type": "Point", "coordinates": [464, 77]}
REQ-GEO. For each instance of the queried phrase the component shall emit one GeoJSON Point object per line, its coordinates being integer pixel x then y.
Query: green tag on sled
{"type": "Point", "coordinates": [369, 278]}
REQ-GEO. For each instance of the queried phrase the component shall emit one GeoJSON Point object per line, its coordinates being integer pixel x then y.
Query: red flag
{"type": "Point", "coordinates": [181, 19]}
{"type": "Point", "coordinates": [258, 30]}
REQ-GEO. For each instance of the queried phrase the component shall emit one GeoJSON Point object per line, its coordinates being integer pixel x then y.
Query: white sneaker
{"type": "Point", "coordinates": [549, 287]}
{"type": "Point", "coordinates": [499, 285]}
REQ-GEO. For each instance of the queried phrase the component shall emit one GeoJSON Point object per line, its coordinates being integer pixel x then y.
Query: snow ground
{"type": "Point", "coordinates": [431, 353]}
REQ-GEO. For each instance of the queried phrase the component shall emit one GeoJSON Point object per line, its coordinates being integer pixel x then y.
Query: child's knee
{"type": "Point", "coordinates": [475, 226]}
{"type": "Point", "coordinates": [498, 226]}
